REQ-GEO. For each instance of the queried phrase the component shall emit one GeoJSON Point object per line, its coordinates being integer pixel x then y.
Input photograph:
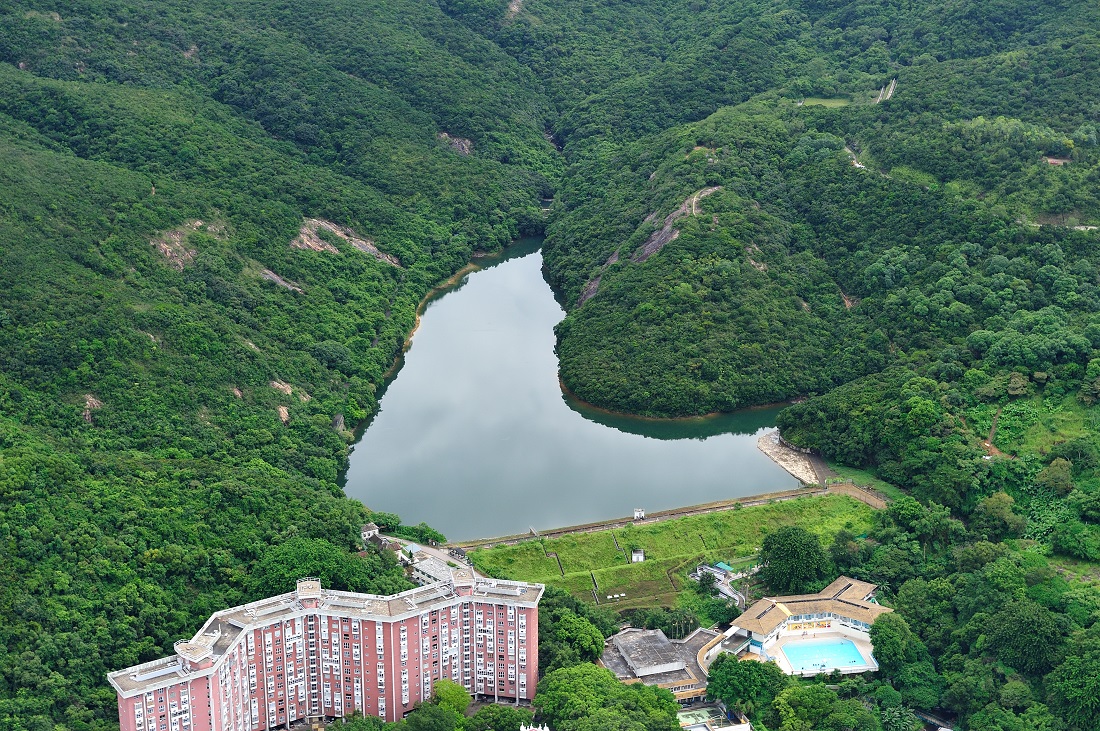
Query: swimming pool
{"type": "Point", "coordinates": [822, 655]}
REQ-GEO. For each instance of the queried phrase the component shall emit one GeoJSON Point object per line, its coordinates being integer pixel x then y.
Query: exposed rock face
{"type": "Point", "coordinates": [308, 239]}
{"type": "Point", "coordinates": [171, 246]}
{"type": "Point", "coordinates": [796, 463]}
{"type": "Point", "coordinates": [667, 233]}
{"type": "Point", "coordinates": [273, 277]}
{"type": "Point", "coordinates": [91, 403]}
{"type": "Point", "coordinates": [282, 386]}
{"type": "Point", "coordinates": [461, 145]}
{"type": "Point", "coordinates": [284, 414]}
{"type": "Point", "coordinates": [287, 389]}
{"type": "Point", "coordinates": [172, 243]}
{"type": "Point", "coordinates": [593, 285]}
{"type": "Point", "coordinates": [653, 244]}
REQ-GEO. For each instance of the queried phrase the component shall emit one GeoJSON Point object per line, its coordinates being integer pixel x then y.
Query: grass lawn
{"type": "Point", "coordinates": [863, 478]}
{"type": "Point", "coordinates": [1075, 568]}
{"type": "Point", "coordinates": [823, 102]}
{"type": "Point", "coordinates": [1040, 423]}
{"type": "Point", "coordinates": [671, 546]}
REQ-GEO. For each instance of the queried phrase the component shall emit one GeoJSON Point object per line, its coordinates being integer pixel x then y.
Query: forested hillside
{"type": "Point", "coordinates": [217, 220]}
{"type": "Point", "coordinates": [946, 168]}
{"type": "Point", "coordinates": [216, 226]}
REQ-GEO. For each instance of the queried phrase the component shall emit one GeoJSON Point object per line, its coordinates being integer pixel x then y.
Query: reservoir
{"type": "Point", "coordinates": [476, 438]}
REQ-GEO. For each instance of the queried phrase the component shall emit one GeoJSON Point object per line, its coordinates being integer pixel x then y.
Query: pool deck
{"type": "Point", "coordinates": [863, 645]}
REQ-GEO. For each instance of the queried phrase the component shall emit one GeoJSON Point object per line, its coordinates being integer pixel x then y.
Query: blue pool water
{"type": "Point", "coordinates": [822, 655]}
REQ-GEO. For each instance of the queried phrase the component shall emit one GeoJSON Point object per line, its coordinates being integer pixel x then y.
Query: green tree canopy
{"type": "Point", "coordinates": [1058, 476]}
{"type": "Point", "coordinates": [431, 717]}
{"type": "Point", "coordinates": [570, 632]}
{"type": "Point", "coordinates": [450, 694]}
{"type": "Point", "coordinates": [586, 698]}
{"type": "Point", "coordinates": [1026, 636]}
{"type": "Point", "coordinates": [895, 645]}
{"type": "Point", "coordinates": [357, 722]}
{"type": "Point", "coordinates": [1074, 686]}
{"type": "Point", "coordinates": [791, 560]}
{"type": "Point", "coordinates": [498, 718]}
{"type": "Point", "coordinates": [813, 706]}
{"type": "Point", "coordinates": [280, 567]}
{"type": "Point", "coordinates": [746, 685]}
{"type": "Point", "coordinates": [995, 519]}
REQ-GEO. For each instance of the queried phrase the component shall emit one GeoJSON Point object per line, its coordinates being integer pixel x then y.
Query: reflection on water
{"type": "Point", "coordinates": [746, 422]}
{"type": "Point", "coordinates": [475, 437]}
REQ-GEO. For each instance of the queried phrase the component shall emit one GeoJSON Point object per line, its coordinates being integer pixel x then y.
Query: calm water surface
{"type": "Point", "coordinates": [476, 438]}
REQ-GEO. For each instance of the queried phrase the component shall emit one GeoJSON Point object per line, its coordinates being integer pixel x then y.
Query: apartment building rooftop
{"type": "Point", "coordinates": [220, 633]}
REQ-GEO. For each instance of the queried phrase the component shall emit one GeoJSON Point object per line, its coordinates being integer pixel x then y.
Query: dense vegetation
{"type": "Point", "coordinates": [179, 382]}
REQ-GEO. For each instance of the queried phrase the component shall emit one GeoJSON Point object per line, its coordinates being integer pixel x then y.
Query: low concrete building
{"type": "Point", "coordinates": [648, 656]}
{"type": "Point", "coordinates": [648, 652]}
{"type": "Point", "coordinates": [367, 532]}
{"type": "Point", "coordinates": [844, 610]}
{"type": "Point", "coordinates": [710, 718]}
{"type": "Point", "coordinates": [428, 568]}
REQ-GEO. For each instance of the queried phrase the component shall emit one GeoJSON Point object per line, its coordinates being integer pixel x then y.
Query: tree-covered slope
{"type": "Point", "coordinates": [934, 172]}
{"type": "Point", "coordinates": [180, 368]}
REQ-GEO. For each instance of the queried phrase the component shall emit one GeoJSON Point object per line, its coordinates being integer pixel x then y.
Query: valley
{"type": "Point", "coordinates": [219, 223]}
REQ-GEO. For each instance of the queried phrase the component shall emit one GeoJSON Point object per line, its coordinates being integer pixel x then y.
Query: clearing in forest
{"type": "Point", "coordinates": [816, 101]}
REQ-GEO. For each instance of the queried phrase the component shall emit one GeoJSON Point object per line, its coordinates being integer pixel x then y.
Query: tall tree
{"type": "Point", "coordinates": [737, 682]}
{"type": "Point", "coordinates": [498, 718]}
{"type": "Point", "coordinates": [282, 565]}
{"type": "Point", "coordinates": [1026, 636]}
{"type": "Point", "coordinates": [450, 694]}
{"type": "Point", "coordinates": [895, 645]}
{"type": "Point", "coordinates": [791, 559]}
{"type": "Point", "coordinates": [589, 697]}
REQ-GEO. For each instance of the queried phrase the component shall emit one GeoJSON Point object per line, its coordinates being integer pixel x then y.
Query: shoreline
{"type": "Point", "coordinates": [700, 417]}
{"type": "Point", "coordinates": [795, 463]}
{"type": "Point", "coordinates": [479, 260]}
{"type": "Point", "coordinates": [654, 517]}
{"type": "Point", "coordinates": [426, 300]}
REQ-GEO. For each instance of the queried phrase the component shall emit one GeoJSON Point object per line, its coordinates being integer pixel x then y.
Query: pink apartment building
{"type": "Point", "coordinates": [317, 653]}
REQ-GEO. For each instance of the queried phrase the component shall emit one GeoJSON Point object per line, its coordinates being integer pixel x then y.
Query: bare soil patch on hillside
{"type": "Point", "coordinates": [172, 244]}
{"type": "Point", "coordinates": [273, 277]}
{"type": "Point", "coordinates": [658, 239]}
{"type": "Point", "coordinates": [309, 239]}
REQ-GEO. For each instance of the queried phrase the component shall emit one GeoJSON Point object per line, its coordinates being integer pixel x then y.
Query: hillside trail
{"type": "Point", "coordinates": [988, 443]}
